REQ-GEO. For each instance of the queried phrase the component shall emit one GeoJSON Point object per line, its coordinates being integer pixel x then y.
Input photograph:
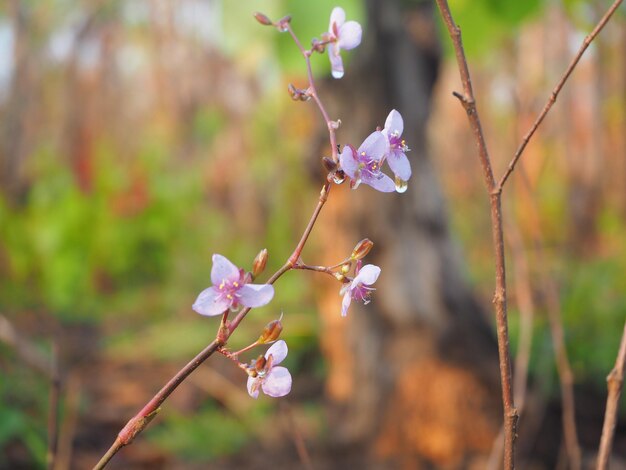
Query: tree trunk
{"type": "Point", "coordinates": [413, 376]}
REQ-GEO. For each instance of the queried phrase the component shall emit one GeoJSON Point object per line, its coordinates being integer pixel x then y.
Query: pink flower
{"type": "Point", "coordinates": [359, 288]}
{"type": "Point", "coordinates": [230, 289]}
{"type": "Point", "coordinates": [274, 381]}
{"type": "Point", "coordinates": [396, 157]}
{"type": "Point", "coordinates": [342, 35]}
{"type": "Point", "coordinates": [364, 164]}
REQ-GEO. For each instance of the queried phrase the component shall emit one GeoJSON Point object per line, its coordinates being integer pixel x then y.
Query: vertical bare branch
{"type": "Point", "coordinates": [499, 300]}
{"type": "Point", "coordinates": [615, 380]}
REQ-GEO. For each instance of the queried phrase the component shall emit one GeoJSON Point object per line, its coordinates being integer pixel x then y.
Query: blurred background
{"type": "Point", "coordinates": [139, 137]}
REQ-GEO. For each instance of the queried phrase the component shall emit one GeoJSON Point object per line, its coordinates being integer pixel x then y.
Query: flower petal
{"type": "Point", "coordinates": [253, 386]}
{"type": "Point", "coordinates": [345, 303]}
{"type": "Point", "coordinates": [348, 161]}
{"type": "Point", "coordinates": [350, 35]}
{"type": "Point", "coordinates": [277, 383]}
{"type": "Point", "coordinates": [210, 303]}
{"type": "Point", "coordinates": [394, 123]}
{"type": "Point", "coordinates": [399, 164]}
{"type": "Point", "coordinates": [375, 145]}
{"type": "Point", "coordinates": [380, 182]}
{"type": "Point", "coordinates": [336, 64]}
{"type": "Point", "coordinates": [367, 275]}
{"type": "Point", "coordinates": [222, 270]}
{"type": "Point", "coordinates": [278, 350]}
{"type": "Point", "coordinates": [337, 16]}
{"type": "Point", "coordinates": [255, 295]}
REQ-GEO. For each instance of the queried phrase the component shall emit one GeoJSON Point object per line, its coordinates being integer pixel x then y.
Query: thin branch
{"type": "Point", "coordinates": [499, 300]}
{"type": "Point", "coordinates": [555, 93]}
{"type": "Point", "coordinates": [615, 380]}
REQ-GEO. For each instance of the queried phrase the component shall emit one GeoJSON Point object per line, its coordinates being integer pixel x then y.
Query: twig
{"type": "Point", "coordinates": [614, 380]}
{"type": "Point", "coordinates": [555, 93]}
{"type": "Point", "coordinates": [150, 410]}
{"type": "Point", "coordinates": [499, 300]}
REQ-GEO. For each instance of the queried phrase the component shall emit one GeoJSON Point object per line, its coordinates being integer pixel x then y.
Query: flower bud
{"type": "Point", "coordinates": [259, 364]}
{"type": "Point", "coordinates": [258, 266]}
{"type": "Point", "coordinates": [282, 23]}
{"type": "Point", "coordinates": [345, 268]}
{"type": "Point", "coordinates": [271, 332]}
{"type": "Point", "coordinates": [362, 249]}
{"type": "Point", "coordinates": [329, 164]}
{"type": "Point", "coordinates": [261, 18]}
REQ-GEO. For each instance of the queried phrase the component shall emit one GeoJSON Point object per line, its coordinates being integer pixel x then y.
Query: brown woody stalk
{"type": "Point", "coordinates": [499, 300]}
{"type": "Point", "coordinates": [614, 380]}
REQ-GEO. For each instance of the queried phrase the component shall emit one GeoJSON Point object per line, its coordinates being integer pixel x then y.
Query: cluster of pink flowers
{"type": "Point", "coordinates": [232, 287]}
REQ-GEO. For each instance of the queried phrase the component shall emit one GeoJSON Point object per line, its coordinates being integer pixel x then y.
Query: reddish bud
{"type": "Point", "coordinates": [258, 266]}
{"type": "Point", "coordinates": [282, 23]}
{"type": "Point", "coordinates": [329, 164]}
{"type": "Point", "coordinates": [259, 364]}
{"type": "Point", "coordinates": [271, 332]}
{"type": "Point", "coordinates": [362, 249]}
{"type": "Point", "coordinates": [261, 18]}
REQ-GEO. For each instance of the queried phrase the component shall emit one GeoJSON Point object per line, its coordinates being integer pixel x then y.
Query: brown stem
{"type": "Point", "coordinates": [555, 93]}
{"type": "Point", "coordinates": [614, 380]}
{"type": "Point", "coordinates": [313, 93]}
{"type": "Point", "coordinates": [499, 300]}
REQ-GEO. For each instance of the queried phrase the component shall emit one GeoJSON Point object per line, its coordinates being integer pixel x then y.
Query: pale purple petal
{"type": "Point", "coordinates": [348, 162]}
{"type": "Point", "coordinates": [394, 123]}
{"type": "Point", "coordinates": [277, 383]}
{"type": "Point", "coordinates": [399, 164]}
{"type": "Point", "coordinates": [253, 386]}
{"type": "Point", "coordinates": [278, 350]}
{"type": "Point", "coordinates": [222, 270]}
{"type": "Point", "coordinates": [210, 303]}
{"type": "Point", "coordinates": [380, 182]}
{"type": "Point", "coordinates": [350, 35]}
{"type": "Point", "coordinates": [336, 64]}
{"type": "Point", "coordinates": [255, 295]}
{"type": "Point", "coordinates": [337, 16]}
{"type": "Point", "coordinates": [375, 145]}
{"type": "Point", "coordinates": [367, 275]}
{"type": "Point", "coordinates": [345, 303]}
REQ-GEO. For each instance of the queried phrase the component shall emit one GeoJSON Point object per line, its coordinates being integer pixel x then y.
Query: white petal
{"type": "Point", "coordinates": [350, 35]}
{"type": "Point", "coordinates": [381, 183]}
{"type": "Point", "coordinates": [277, 383]}
{"type": "Point", "coordinates": [278, 350]}
{"type": "Point", "coordinates": [394, 123]}
{"type": "Point", "coordinates": [337, 16]}
{"type": "Point", "coordinates": [348, 161]}
{"type": "Point", "coordinates": [367, 275]}
{"type": "Point", "coordinates": [375, 145]}
{"type": "Point", "coordinates": [253, 386]}
{"type": "Point", "coordinates": [399, 164]}
{"type": "Point", "coordinates": [222, 270]}
{"type": "Point", "coordinates": [255, 295]}
{"type": "Point", "coordinates": [345, 303]}
{"type": "Point", "coordinates": [210, 303]}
